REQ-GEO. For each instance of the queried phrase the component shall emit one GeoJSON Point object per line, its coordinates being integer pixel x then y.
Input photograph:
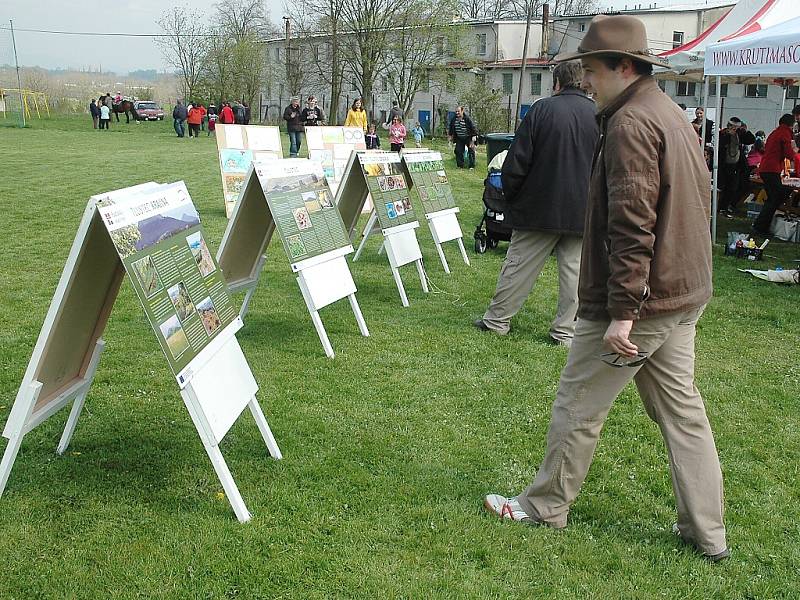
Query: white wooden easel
{"type": "Point", "coordinates": [323, 280]}
{"type": "Point", "coordinates": [402, 248]}
{"type": "Point", "coordinates": [445, 228]}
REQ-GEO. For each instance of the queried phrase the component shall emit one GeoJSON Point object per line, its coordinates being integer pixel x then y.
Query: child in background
{"type": "Point", "coordinates": [418, 133]}
{"type": "Point", "coordinates": [372, 139]}
{"type": "Point", "coordinates": [397, 134]}
{"type": "Point", "coordinates": [212, 124]}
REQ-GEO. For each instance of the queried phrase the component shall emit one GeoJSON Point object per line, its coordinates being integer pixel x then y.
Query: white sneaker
{"type": "Point", "coordinates": [506, 508]}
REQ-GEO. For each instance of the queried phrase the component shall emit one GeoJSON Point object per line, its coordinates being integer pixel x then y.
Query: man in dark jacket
{"type": "Point", "coordinates": [294, 126]}
{"type": "Point", "coordinates": [179, 115]}
{"type": "Point", "coordinates": [733, 170]}
{"type": "Point", "coordinates": [462, 132]}
{"type": "Point", "coordinates": [546, 185]}
{"type": "Point", "coordinates": [645, 278]}
{"type": "Point", "coordinates": [94, 110]}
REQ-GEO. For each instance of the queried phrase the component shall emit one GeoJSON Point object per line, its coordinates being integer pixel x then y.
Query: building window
{"type": "Point", "coordinates": [481, 45]}
{"type": "Point", "coordinates": [677, 39]}
{"type": "Point", "coordinates": [686, 88]}
{"type": "Point", "coordinates": [582, 27]}
{"type": "Point", "coordinates": [384, 84]}
{"type": "Point", "coordinates": [440, 46]}
{"type": "Point", "coordinates": [278, 54]}
{"type": "Point", "coordinates": [712, 90]}
{"type": "Point", "coordinates": [793, 92]}
{"type": "Point", "coordinates": [450, 83]}
{"type": "Point", "coordinates": [425, 81]}
{"type": "Point", "coordinates": [536, 84]}
{"type": "Point", "coordinates": [316, 51]}
{"type": "Point", "coordinates": [508, 83]}
{"type": "Point", "coordinates": [755, 90]}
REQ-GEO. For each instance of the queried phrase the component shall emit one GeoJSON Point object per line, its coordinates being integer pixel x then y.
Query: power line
{"type": "Point", "coordinates": [113, 34]}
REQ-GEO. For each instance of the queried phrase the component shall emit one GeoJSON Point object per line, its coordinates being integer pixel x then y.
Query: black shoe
{"type": "Point", "coordinates": [714, 558]}
{"type": "Point", "coordinates": [480, 324]}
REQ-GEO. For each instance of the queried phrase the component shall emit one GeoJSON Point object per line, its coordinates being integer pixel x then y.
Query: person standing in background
{"type": "Point", "coordinates": [371, 138]}
{"type": "Point", "coordinates": [179, 114]}
{"type": "Point", "coordinates": [777, 149]}
{"type": "Point", "coordinates": [397, 134]}
{"type": "Point", "coordinates": [95, 112]}
{"type": "Point", "coordinates": [312, 115]}
{"type": "Point", "coordinates": [356, 116]}
{"type": "Point", "coordinates": [294, 126]}
{"type": "Point", "coordinates": [462, 132]}
{"type": "Point", "coordinates": [419, 133]}
{"type": "Point", "coordinates": [105, 116]}
{"type": "Point", "coordinates": [226, 114]}
{"type": "Point", "coordinates": [194, 118]}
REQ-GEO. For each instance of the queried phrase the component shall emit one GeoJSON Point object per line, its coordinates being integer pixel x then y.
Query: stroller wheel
{"type": "Point", "coordinates": [480, 245]}
{"type": "Point", "coordinates": [492, 243]}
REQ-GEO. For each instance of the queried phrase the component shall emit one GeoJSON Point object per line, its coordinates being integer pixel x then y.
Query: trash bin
{"type": "Point", "coordinates": [496, 143]}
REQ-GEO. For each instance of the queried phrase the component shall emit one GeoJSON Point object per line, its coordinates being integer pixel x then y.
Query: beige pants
{"type": "Point", "coordinates": [665, 382]}
{"type": "Point", "coordinates": [524, 261]}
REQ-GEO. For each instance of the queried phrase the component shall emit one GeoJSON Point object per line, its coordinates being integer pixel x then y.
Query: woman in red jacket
{"type": "Point", "coordinates": [194, 119]}
{"type": "Point", "coordinates": [226, 114]}
{"type": "Point", "coordinates": [777, 149]}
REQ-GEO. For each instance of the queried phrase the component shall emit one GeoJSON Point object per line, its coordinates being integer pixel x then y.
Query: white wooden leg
{"type": "Point", "coordinates": [9, 456]}
{"type": "Point", "coordinates": [72, 421]}
{"type": "Point", "coordinates": [422, 277]}
{"type": "Point", "coordinates": [442, 257]}
{"type": "Point", "coordinates": [400, 288]}
{"type": "Point", "coordinates": [382, 248]}
{"type": "Point", "coordinates": [228, 484]}
{"type": "Point", "coordinates": [246, 304]}
{"type": "Point", "coordinates": [323, 335]}
{"type": "Point", "coordinates": [15, 436]}
{"type": "Point", "coordinates": [263, 427]}
{"type": "Point", "coordinates": [80, 399]}
{"type": "Point", "coordinates": [365, 234]}
{"type": "Point", "coordinates": [362, 325]}
{"type": "Point", "coordinates": [463, 250]}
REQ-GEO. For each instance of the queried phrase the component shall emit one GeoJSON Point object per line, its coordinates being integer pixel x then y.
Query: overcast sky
{"type": "Point", "coordinates": [120, 54]}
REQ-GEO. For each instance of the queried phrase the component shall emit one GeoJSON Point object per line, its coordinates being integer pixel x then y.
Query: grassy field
{"type": "Point", "coordinates": [390, 447]}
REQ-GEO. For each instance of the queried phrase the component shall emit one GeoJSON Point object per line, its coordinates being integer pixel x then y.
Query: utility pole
{"type": "Point", "coordinates": [529, 12]}
{"type": "Point", "coordinates": [19, 81]}
{"type": "Point", "coordinates": [288, 29]}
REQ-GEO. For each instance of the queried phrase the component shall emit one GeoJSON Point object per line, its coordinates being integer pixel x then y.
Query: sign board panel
{"type": "Point", "coordinates": [158, 236]}
{"type": "Point", "coordinates": [429, 181]}
{"type": "Point", "coordinates": [302, 207]}
{"type": "Point", "coordinates": [238, 146]}
{"type": "Point", "coordinates": [383, 173]}
{"type": "Point", "coordinates": [332, 146]}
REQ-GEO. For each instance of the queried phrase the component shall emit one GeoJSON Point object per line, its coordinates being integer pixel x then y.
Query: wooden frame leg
{"type": "Point", "coordinates": [246, 304]}
{"type": "Point", "coordinates": [80, 399]}
{"type": "Point", "coordinates": [323, 335]}
{"type": "Point", "coordinates": [362, 325]}
{"type": "Point", "coordinates": [400, 288]}
{"type": "Point", "coordinates": [442, 258]}
{"type": "Point", "coordinates": [463, 251]}
{"type": "Point", "coordinates": [263, 427]}
{"type": "Point", "coordinates": [422, 277]}
{"type": "Point", "coordinates": [228, 484]}
{"type": "Point", "coordinates": [15, 437]}
{"type": "Point", "coordinates": [373, 217]}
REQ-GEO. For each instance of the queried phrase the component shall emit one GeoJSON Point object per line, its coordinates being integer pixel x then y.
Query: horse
{"type": "Point", "coordinates": [125, 107]}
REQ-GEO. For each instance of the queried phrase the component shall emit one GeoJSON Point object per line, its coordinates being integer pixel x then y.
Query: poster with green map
{"type": "Point", "coordinates": [429, 179]}
{"type": "Point", "coordinates": [383, 172]}
{"type": "Point", "coordinates": [302, 207]}
{"type": "Point", "coordinates": [158, 237]}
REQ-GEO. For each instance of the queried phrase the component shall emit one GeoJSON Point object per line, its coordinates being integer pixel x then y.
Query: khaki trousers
{"type": "Point", "coordinates": [524, 261]}
{"type": "Point", "coordinates": [586, 391]}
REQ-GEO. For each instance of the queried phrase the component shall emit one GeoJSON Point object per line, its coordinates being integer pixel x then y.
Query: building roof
{"type": "Point", "coordinates": [652, 8]}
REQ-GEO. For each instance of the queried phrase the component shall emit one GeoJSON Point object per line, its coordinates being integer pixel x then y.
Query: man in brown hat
{"type": "Point", "coordinates": [645, 279]}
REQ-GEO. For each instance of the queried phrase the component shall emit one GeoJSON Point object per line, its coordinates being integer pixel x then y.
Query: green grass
{"type": "Point", "coordinates": [389, 447]}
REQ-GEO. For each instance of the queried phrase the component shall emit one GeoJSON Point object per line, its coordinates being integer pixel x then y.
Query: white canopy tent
{"type": "Point", "coordinates": [754, 51]}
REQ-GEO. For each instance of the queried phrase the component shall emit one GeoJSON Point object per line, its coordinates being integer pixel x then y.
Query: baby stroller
{"type": "Point", "coordinates": [497, 228]}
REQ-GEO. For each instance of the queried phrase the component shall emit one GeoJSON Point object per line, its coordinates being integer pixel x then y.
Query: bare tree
{"type": "Point", "coordinates": [184, 47]}
{"type": "Point", "coordinates": [415, 46]}
{"type": "Point", "coordinates": [367, 24]}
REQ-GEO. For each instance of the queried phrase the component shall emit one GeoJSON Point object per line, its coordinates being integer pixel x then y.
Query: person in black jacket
{"type": "Point", "coordinates": [294, 126]}
{"type": "Point", "coordinates": [94, 110]}
{"type": "Point", "coordinates": [312, 114]}
{"type": "Point", "coordinates": [462, 132]}
{"type": "Point", "coordinates": [546, 186]}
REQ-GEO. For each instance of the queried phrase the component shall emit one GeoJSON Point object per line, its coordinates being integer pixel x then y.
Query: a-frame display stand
{"type": "Point", "coordinates": [442, 223]}
{"type": "Point", "coordinates": [399, 242]}
{"type": "Point", "coordinates": [216, 386]}
{"type": "Point", "coordinates": [323, 279]}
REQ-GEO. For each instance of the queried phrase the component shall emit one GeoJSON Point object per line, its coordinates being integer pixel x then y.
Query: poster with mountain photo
{"type": "Point", "coordinates": [158, 236]}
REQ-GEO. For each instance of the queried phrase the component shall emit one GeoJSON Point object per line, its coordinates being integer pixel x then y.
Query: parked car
{"type": "Point", "coordinates": [147, 110]}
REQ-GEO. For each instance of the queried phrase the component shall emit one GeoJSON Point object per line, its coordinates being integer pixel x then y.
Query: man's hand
{"type": "Point", "coordinates": [616, 337]}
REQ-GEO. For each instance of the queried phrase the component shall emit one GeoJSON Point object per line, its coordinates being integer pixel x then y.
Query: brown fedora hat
{"type": "Point", "coordinates": [618, 35]}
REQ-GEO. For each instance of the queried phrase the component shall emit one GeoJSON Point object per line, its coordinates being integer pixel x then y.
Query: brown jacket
{"type": "Point", "coordinates": [647, 246]}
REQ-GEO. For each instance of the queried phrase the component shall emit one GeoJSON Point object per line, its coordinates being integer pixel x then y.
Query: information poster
{"type": "Point", "coordinates": [159, 238]}
{"type": "Point", "coordinates": [332, 147]}
{"type": "Point", "coordinates": [238, 146]}
{"type": "Point", "coordinates": [430, 181]}
{"type": "Point", "coordinates": [386, 183]}
{"type": "Point", "coordinates": [301, 203]}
